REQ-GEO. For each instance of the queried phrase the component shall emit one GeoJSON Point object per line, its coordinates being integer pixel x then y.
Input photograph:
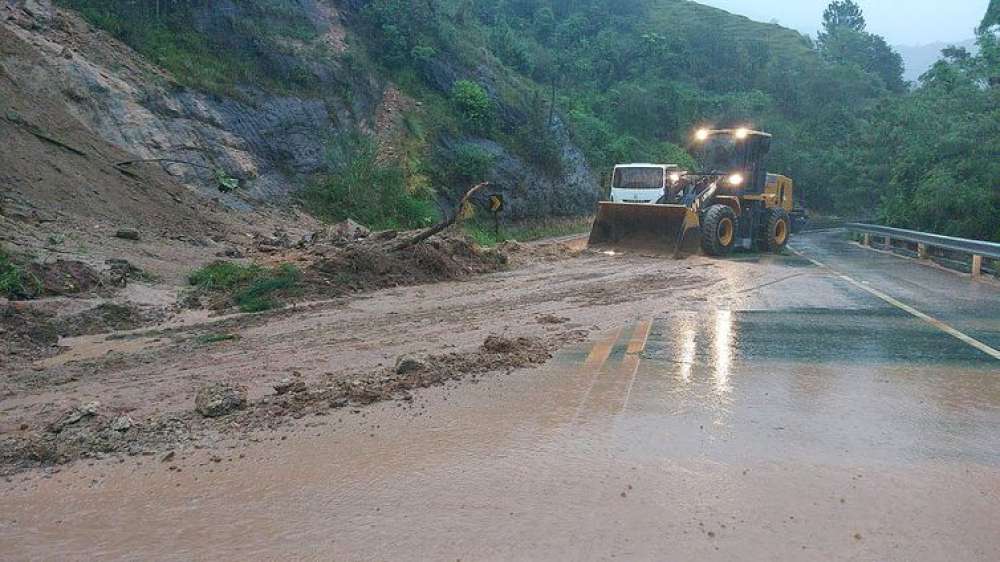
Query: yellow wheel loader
{"type": "Point", "coordinates": [733, 203]}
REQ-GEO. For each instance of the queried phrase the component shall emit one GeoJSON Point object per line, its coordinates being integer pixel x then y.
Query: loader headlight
{"type": "Point", "coordinates": [742, 133]}
{"type": "Point", "coordinates": [701, 135]}
{"type": "Point", "coordinates": [735, 179]}
{"type": "Point", "coordinates": [675, 177]}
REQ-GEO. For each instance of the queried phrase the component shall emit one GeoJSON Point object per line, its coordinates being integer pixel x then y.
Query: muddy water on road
{"type": "Point", "coordinates": [703, 434]}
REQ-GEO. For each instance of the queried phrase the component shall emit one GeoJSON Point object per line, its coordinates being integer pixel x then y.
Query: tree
{"type": "Point", "coordinates": [474, 105]}
{"type": "Point", "coordinates": [992, 16]}
{"type": "Point", "coordinates": [843, 14]}
{"type": "Point", "coordinates": [845, 41]}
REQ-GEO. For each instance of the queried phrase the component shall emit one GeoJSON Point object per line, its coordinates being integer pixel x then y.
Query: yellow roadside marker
{"type": "Point", "coordinates": [909, 309]}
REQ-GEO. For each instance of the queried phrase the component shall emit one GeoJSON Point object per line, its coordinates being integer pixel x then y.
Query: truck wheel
{"type": "Point", "coordinates": [718, 230]}
{"type": "Point", "coordinates": [777, 231]}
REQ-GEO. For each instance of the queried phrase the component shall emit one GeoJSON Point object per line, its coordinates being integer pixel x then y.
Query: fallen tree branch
{"type": "Point", "coordinates": [442, 226]}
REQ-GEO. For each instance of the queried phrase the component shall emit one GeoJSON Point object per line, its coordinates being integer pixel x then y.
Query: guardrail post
{"type": "Point", "coordinates": [888, 242]}
{"type": "Point", "coordinates": [922, 251]}
{"type": "Point", "coordinates": [977, 266]}
{"type": "Point", "coordinates": [867, 240]}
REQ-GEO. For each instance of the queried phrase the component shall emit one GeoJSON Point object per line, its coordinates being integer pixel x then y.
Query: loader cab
{"type": "Point", "coordinates": [737, 155]}
{"type": "Point", "coordinates": [642, 183]}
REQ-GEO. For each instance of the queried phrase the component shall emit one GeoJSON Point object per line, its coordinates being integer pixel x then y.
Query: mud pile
{"type": "Point", "coordinates": [376, 263]}
{"type": "Point", "coordinates": [62, 277]}
{"type": "Point", "coordinates": [93, 430]}
{"type": "Point", "coordinates": [25, 333]}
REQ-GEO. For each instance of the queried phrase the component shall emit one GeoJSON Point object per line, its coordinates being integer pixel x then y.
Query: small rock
{"type": "Point", "coordinates": [75, 415]}
{"type": "Point", "coordinates": [289, 386]}
{"type": "Point", "coordinates": [407, 364]}
{"type": "Point", "coordinates": [121, 423]}
{"type": "Point", "coordinates": [127, 234]}
{"type": "Point", "coordinates": [339, 402]}
{"type": "Point", "coordinates": [219, 399]}
{"type": "Point", "coordinates": [168, 457]}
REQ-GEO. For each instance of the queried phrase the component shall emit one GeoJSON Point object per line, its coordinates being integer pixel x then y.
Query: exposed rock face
{"type": "Point", "coordinates": [271, 142]}
{"type": "Point", "coordinates": [267, 141]}
{"type": "Point", "coordinates": [530, 193]}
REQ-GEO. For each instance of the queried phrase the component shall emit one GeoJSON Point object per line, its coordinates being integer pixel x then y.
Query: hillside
{"type": "Point", "coordinates": [386, 110]}
{"type": "Point", "coordinates": [271, 93]}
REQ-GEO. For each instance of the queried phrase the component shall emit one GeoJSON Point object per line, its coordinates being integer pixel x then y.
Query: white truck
{"type": "Point", "coordinates": [642, 183]}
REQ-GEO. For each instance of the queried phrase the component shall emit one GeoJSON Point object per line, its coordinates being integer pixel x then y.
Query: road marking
{"type": "Point", "coordinates": [600, 352]}
{"type": "Point", "coordinates": [638, 342]}
{"type": "Point", "coordinates": [909, 309]}
{"type": "Point", "coordinates": [594, 364]}
{"type": "Point", "coordinates": [636, 346]}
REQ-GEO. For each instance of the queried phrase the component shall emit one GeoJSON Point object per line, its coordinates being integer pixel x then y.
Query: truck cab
{"type": "Point", "coordinates": [642, 183]}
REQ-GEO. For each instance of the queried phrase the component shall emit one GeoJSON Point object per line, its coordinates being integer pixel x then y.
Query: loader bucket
{"type": "Point", "coordinates": [661, 229]}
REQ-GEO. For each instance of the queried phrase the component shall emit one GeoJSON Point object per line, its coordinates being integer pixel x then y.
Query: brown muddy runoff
{"type": "Point", "coordinates": [689, 433]}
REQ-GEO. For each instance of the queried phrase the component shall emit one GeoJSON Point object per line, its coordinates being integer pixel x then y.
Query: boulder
{"type": "Point", "coordinates": [121, 423]}
{"type": "Point", "coordinates": [75, 415]}
{"type": "Point", "coordinates": [290, 386]}
{"type": "Point", "coordinates": [408, 364]}
{"type": "Point", "coordinates": [219, 399]}
{"type": "Point", "coordinates": [127, 234]}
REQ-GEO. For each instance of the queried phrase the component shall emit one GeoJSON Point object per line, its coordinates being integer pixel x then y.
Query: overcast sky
{"type": "Point", "coordinates": [901, 22]}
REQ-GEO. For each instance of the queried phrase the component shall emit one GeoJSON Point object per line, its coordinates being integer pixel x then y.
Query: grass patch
{"type": "Point", "coordinates": [368, 191]}
{"type": "Point", "coordinates": [166, 34]}
{"type": "Point", "coordinates": [484, 235]}
{"type": "Point", "coordinates": [252, 288]}
{"type": "Point", "coordinates": [208, 339]}
{"type": "Point", "coordinates": [15, 283]}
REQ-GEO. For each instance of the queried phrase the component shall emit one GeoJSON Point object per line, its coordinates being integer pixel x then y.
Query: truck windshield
{"type": "Point", "coordinates": [638, 178]}
{"type": "Point", "coordinates": [722, 154]}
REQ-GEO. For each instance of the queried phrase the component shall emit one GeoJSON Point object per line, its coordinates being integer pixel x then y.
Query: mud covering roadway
{"type": "Point", "coordinates": [765, 408]}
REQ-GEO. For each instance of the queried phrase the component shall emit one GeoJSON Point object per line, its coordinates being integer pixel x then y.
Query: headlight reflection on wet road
{"type": "Point", "coordinates": [723, 356]}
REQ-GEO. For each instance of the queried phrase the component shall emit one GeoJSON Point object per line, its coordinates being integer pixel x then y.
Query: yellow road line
{"type": "Point", "coordinates": [600, 352]}
{"type": "Point", "coordinates": [594, 364]}
{"type": "Point", "coordinates": [909, 309]}
{"type": "Point", "coordinates": [639, 337]}
{"type": "Point", "coordinates": [636, 346]}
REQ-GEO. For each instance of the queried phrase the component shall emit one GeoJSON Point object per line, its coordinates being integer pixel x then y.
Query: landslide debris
{"type": "Point", "coordinates": [334, 262]}
{"type": "Point", "coordinates": [92, 430]}
{"type": "Point", "coordinates": [218, 399]}
{"type": "Point", "coordinates": [373, 263]}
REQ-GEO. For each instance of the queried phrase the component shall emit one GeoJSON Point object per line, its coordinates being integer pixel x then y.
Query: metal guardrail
{"type": "Point", "coordinates": [978, 249]}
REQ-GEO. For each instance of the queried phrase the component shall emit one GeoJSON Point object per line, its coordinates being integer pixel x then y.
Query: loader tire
{"type": "Point", "coordinates": [777, 231]}
{"type": "Point", "coordinates": [718, 230]}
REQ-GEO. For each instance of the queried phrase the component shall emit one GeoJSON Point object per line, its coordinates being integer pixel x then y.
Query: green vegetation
{"type": "Point", "coordinates": [15, 283]}
{"type": "Point", "coordinates": [243, 48]}
{"type": "Point", "coordinates": [934, 151]}
{"type": "Point", "coordinates": [252, 288]}
{"type": "Point", "coordinates": [992, 16]}
{"type": "Point", "coordinates": [208, 339]}
{"type": "Point", "coordinates": [362, 188]}
{"type": "Point", "coordinates": [473, 105]}
{"type": "Point", "coordinates": [627, 80]}
{"type": "Point", "coordinates": [485, 235]}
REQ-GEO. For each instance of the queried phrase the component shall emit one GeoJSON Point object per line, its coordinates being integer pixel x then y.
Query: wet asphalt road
{"type": "Point", "coordinates": [789, 415]}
